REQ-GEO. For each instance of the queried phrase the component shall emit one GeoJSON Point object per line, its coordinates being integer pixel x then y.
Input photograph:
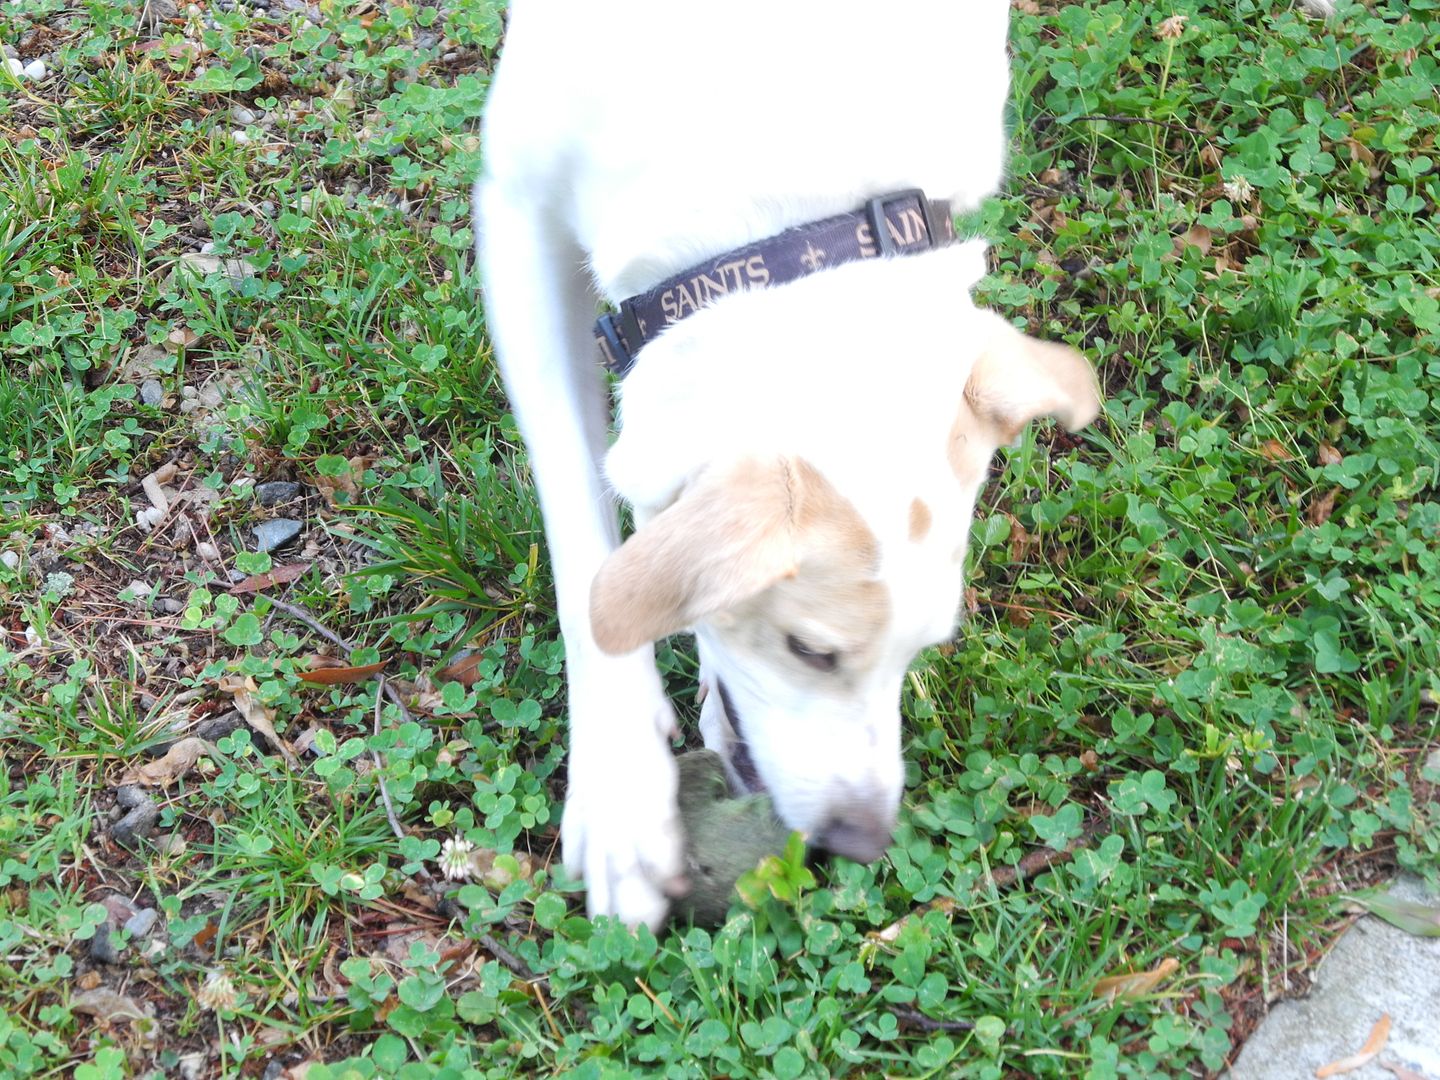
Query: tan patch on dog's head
{"type": "Point", "coordinates": [919, 520]}
{"type": "Point", "coordinates": [730, 536]}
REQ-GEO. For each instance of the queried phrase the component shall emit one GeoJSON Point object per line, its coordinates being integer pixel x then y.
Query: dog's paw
{"type": "Point", "coordinates": [621, 832]}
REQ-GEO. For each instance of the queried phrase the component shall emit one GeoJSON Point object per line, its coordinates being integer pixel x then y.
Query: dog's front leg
{"type": "Point", "coordinates": [621, 828]}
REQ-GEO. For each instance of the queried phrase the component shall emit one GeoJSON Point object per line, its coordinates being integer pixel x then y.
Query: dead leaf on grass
{"type": "Point", "coordinates": [1320, 509]}
{"type": "Point", "coordinates": [1197, 236]}
{"type": "Point", "coordinates": [328, 671]}
{"type": "Point", "coordinates": [178, 761]}
{"type": "Point", "coordinates": [1422, 920]}
{"type": "Point", "coordinates": [280, 575]}
{"type": "Point", "coordinates": [106, 1005]}
{"type": "Point", "coordinates": [1136, 984]}
{"type": "Point", "coordinates": [180, 339]}
{"type": "Point", "coordinates": [349, 482]}
{"type": "Point", "coordinates": [243, 689]}
{"type": "Point", "coordinates": [1328, 455]}
{"type": "Point", "coordinates": [1274, 451]}
{"type": "Point", "coordinates": [464, 669]}
{"type": "Point", "coordinates": [1373, 1045]}
{"type": "Point", "coordinates": [422, 697]}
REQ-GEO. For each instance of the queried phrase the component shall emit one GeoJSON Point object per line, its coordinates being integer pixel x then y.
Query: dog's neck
{"type": "Point", "coordinates": [776, 371]}
{"type": "Point", "coordinates": [898, 223]}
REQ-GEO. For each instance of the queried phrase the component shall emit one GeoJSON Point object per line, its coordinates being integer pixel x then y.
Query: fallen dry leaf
{"type": "Point", "coordinates": [178, 761]}
{"type": "Point", "coordinates": [1328, 455]}
{"type": "Point", "coordinates": [1225, 264]}
{"type": "Point", "coordinates": [206, 935]}
{"type": "Point", "coordinates": [243, 689]}
{"type": "Point", "coordinates": [153, 489]}
{"type": "Point", "coordinates": [421, 696]}
{"type": "Point", "coordinates": [1197, 236]}
{"type": "Point", "coordinates": [1373, 1045]}
{"type": "Point", "coordinates": [1274, 451]}
{"type": "Point", "coordinates": [280, 575]}
{"type": "Point", "coordinates": [465, 669]}
{"type": "Point", "coordinates": [106, 1005]}
{"type": "Point", "coordinates": [1020, 540]}
{"type": "Point", "coordinates": [1320, 509]}
{"type": "Point", "coordinates": [1136, 984]}
{"type": "Point", "coordinates": [180, 338]}
{"type": "Point", "coordinates": [328, 671]}
{"type": "Point", "coordinates": [349, 483]}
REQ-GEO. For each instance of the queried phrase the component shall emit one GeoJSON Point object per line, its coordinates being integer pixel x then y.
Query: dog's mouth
{"type": "Point", "coordinates": [740, 759]}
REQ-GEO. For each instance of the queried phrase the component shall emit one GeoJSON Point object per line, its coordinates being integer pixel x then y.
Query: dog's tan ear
{"type": "Point", "coordinates": [1019, 378]}
{"type": "Point", "coordinates": [730, 535]}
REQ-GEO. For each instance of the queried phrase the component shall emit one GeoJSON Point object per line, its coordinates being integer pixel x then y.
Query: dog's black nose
{"type": "Point", "coordinates": [857, 834]}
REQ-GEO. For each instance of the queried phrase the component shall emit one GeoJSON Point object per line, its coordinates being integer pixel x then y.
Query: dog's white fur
{"type": "Point", "coordinates": [802, 460]}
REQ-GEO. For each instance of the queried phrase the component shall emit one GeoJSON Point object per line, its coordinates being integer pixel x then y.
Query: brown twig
{"type": "Point", "coordinates": [1041, 859]}
{"type": "Point", "coordinates": [301, 615]}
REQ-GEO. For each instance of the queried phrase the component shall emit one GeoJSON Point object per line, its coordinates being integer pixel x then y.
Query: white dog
{"type": "Point", "coordinates": [803, 444]}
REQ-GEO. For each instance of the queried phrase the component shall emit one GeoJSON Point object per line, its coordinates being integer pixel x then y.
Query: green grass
{"type": "Point", "coordinates": [1201, 634]}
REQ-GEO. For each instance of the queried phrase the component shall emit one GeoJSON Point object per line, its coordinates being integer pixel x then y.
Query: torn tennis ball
{"type": "Point", "coordinates": [725, 836]}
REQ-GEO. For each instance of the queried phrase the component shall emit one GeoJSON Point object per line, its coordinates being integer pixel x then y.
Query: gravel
{"type": "Point", "coordinates": [139, 822]}
{"type": "Point", "coordinates": [275, 492]}
{"type": "Point", "coordinates": [275, 533]}
{"type": "Point", "coordinates": [102, 949]}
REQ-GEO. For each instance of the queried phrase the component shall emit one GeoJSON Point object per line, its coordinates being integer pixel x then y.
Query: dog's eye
{"type": "Point", "coordinates": [820, 661]}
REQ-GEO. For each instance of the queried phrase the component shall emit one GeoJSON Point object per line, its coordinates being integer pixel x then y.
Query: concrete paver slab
{"type": "Point", "coordinates": [1373, 969]}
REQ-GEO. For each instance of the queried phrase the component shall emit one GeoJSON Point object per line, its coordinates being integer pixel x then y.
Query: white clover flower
{"type": "Point", "coordinates": [218, 994]}
{"type": "Point", "coordinates": [1171, 28]}
{"type": "Point", "coordinates": [455, 858]}
{"type": "Point", "coordinates": [1239, 190]}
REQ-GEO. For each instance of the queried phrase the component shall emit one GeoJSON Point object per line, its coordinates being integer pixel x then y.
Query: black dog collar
{"type": "Point", "coordinates": [900, 223]}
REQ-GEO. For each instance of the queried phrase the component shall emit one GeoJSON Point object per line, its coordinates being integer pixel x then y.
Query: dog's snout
{"type": "Point", "coordinates": [857, 833]}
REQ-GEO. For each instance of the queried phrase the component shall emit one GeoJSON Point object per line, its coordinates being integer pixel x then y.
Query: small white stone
{"type": "Point", "coordinates": [207, 247]}
{"type": "Point", "coordinates": [189, 392]}
{"type": "Point", "coordinates": [189, 405]}
{"type": "Point", "coordinates": [243, 116]}
{"type": "Point", "coordinates": [239, 136]}
{"type": "Point", "coordinates": [14, 67]}
{"type": "Point", "coordinates": [207, 551]}
{"type": "Point", "coordinates": [11, 559]}
{"type": "Point", "coordinates": [35, 69]}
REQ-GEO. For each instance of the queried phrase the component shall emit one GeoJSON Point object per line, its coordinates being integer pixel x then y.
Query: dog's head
{"type": "Point", "coordinates": [813, 580]}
